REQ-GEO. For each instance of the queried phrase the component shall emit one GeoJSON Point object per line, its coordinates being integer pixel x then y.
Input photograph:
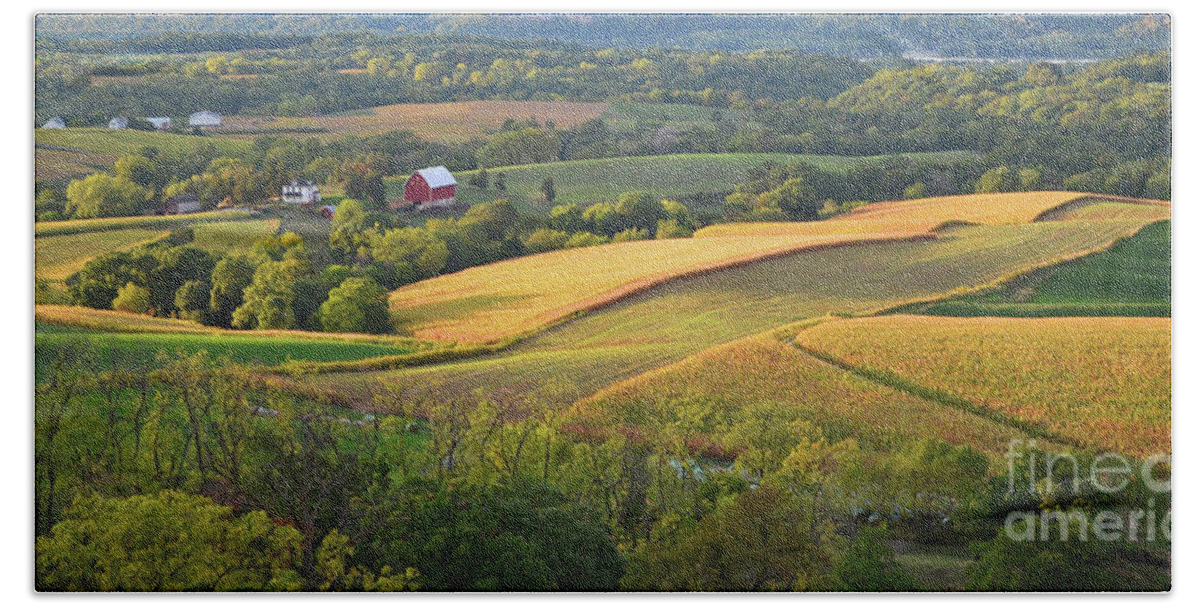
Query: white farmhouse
{"type": "Point", "coordinates": [301, 192]}
{"type": "Point", "coordinates": [118, 122]}
{"type": "Point", "coordinates": [159, 122]}
{"type": "Point", "coordinates": [55, 123]}
{"type": "Point", "coordinates": [204, 119]}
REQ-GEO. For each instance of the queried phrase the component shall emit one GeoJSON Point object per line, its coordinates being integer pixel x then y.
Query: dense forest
{"type": "Point", "coordinates": [1028, 36]}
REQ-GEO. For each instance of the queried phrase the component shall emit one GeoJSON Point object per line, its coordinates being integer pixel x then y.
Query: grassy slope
{"type": "Point", "coordinates": [226, 237]}
{"type": "Point", "coordinates": [1103, 382]}
{"type": "Point", "coordinates": [677, 319]}
{"type": "Point", "coordinates": [516, 296]}
{"type": "Point", "coordinates": [113, 321]}
{"type": "Point", "coordinates": [57, 257]}
{"type": "Point", "coordinates": [161, 222]}
{"type": "Point", "coordinates": [673, 175]}
{"type": "Point", "coordinates": [138, 351]}
{"type": "Point", "coordinates": [106, 141]}
{"type": "Point", "coordinates": [626, 116]}
{"type": "Point", "coordinates": [1131, 279]}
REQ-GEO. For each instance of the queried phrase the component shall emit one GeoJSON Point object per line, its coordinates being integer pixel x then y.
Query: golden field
{"type": "Point", "coordinates": [518, 296]}
{"type": "Point", "coordinates": [925, 214]}
{"type": "Point", "coordinates": [676, 319]}
{"type": "Point", "coordinates": [1103, 382]}
{"type": "Point", "coordinates": [501, 300]}
{"type": "Point", "coordinates": [764, 370]}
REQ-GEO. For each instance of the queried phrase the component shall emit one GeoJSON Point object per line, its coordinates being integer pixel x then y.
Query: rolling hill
{"type": "Point", "coordinates": [513, 297]}
{"type": "Point", "coordinates": [676, 319]}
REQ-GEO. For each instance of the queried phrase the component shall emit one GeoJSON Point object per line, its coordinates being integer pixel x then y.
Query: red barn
{"type": "Point", "coordinates": [430, 187]}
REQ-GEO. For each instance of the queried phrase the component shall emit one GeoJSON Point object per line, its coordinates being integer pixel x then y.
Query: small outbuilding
{"type": "Point", "coordinates": [162, 123]}
{"type": "Point", "coordinates": [177, 205]}
{"type": "Point", "coordinates": [301, 192]}
{"type": "Point", "coordinates": [204, 119]}
{"type": "Point", "coordinates": [118, 122]}
{"type": "Point", "coordinates": [430, 187]}
{"type": "Point", "coordinates": [328, 211]}
{"type": "Point", "coordinates": [55, 123]}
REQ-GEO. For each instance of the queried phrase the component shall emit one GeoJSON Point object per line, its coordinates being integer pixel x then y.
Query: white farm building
{"type": "Point", "coordinates": [159, 122]}
{"type": "Point", "coordinates": [301, 192]}
{"type": "Point", "coordinates": [204, 119]}
{"type": "Point", "coordinates": [55, 123]}
{"type": "Point", "coordinates": [118, 122]}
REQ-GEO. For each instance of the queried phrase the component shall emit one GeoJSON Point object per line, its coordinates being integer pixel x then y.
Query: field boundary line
{"type": "Point", "coordinates": [896, 381]}
{"type": "Point", "coordinates": [614, 296]}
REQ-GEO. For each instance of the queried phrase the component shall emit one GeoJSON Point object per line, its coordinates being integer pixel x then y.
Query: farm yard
{"type": "Point", "coordinates": [404, 302]}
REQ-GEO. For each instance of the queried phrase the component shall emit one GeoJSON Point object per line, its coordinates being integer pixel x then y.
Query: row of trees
{"type": "Point", "coordinates": [804, 192]}
{"type": "Point", "coordinates": [493, 231]}
{"type": "Point", "coordinates": [286, 493]}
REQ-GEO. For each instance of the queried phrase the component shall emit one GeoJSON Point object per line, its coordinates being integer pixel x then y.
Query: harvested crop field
{"type": "Point", "coordinates": [444, 122]}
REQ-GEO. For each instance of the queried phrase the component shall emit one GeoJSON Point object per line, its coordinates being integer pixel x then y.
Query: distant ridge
{"type": "Point", "coordinates": [1033, 36]}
